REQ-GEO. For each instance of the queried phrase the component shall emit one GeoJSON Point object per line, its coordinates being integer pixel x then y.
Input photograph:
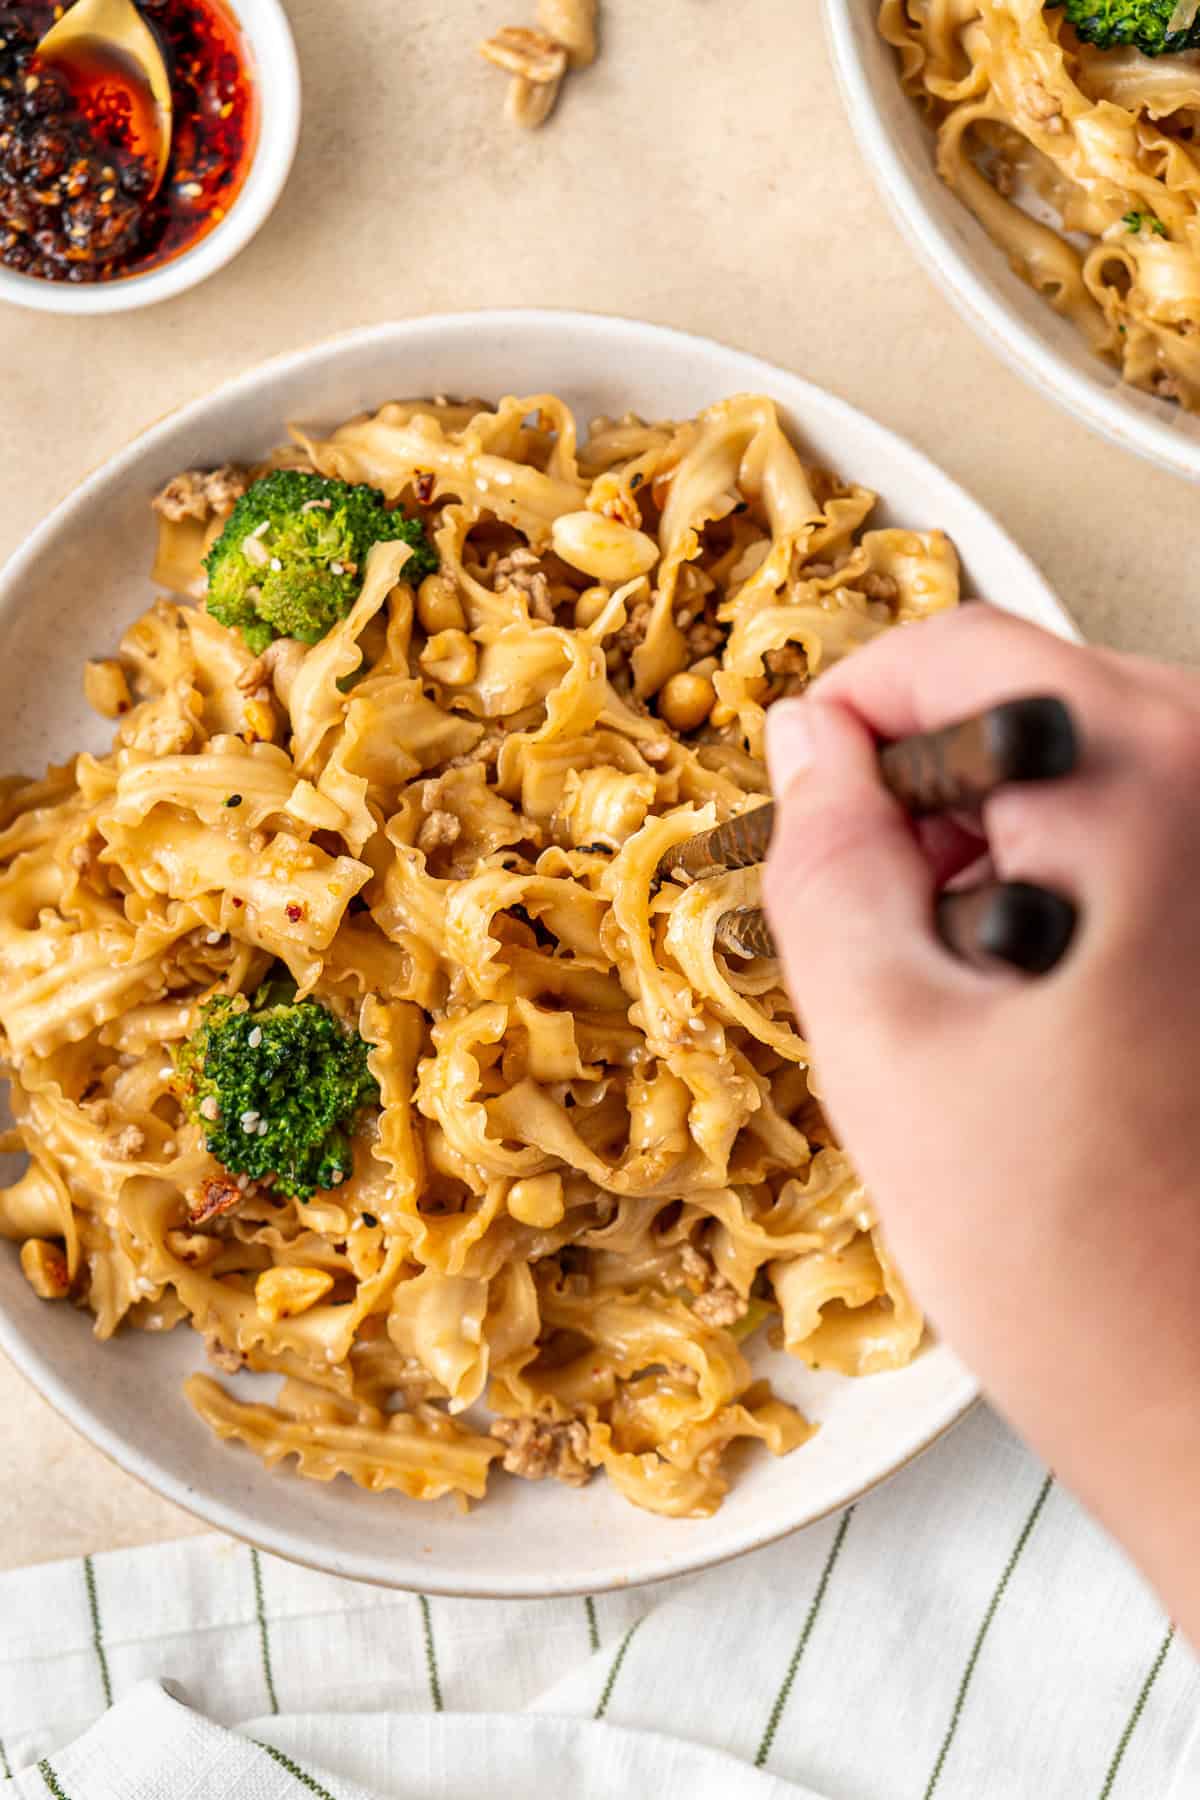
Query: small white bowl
{"type": "Point", "coordinates": [76, 583]}
{"type": "Point", "coordinates": [276, 73]}
{"type": "Point", "coordinates": [974, 272]}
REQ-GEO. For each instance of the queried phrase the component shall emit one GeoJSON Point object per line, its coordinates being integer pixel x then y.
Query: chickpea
{"type": "Point", "coordinates": [686, 701]}
{"type": "Point", "coordinates": [449, 657]}
{"type": "Point", "coordinates": [590, 604]}
{"type": "Point", "coordinates": [537, 1200]}
{"type": "Point", "coordinates": [438, 605]}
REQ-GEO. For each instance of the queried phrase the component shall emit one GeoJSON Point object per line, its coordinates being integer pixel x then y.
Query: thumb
{"type": "Point", "coordinates": [846, 888]}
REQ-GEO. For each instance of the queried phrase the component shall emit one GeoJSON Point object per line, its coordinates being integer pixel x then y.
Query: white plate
{"type": "Point", "coordinates": [69, 593]}
{"type": "Point", "coordinates": [973, 271]}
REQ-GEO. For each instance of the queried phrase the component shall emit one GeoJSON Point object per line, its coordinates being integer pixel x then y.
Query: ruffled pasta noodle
{"type": "Point", "coordinates": [1080, 163]}
{"type": "Point", "coordinates": [597, 1164]}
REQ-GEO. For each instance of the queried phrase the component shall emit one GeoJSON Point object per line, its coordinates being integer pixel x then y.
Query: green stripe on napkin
{"type": "Point", "coordinates": [89, 1579]}
{"type": "Point", "coordinates": [781, 1698]}
{"type": "Point", "coordinates": [618, 1659]}
{"type": "Point", "coordinates": [435, 1686]}
{"type": "Point", "coordinates": [295, 1771]}
{"type": "Point", "coordinates": [264, 1641]}
{"type": "Point", "coordinates": [1139, 1706]}
{"type": "Point", "coordinates": [960, 1699]}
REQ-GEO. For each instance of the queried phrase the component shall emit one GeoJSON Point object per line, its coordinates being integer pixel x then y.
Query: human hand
{"type": "Point", "coordinates": [1032, 1145]}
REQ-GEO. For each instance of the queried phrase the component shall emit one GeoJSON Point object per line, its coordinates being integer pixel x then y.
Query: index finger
{"type": "Point", "coordinates": [944, 669]}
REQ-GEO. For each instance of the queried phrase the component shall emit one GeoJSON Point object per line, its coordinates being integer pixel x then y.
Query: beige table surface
{"type": "Point", "coordinates": [701, 175]}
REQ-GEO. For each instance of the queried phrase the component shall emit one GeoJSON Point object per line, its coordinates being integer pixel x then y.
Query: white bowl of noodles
{"type": "Point", "coordinates": [1049, 350]}
{"type": "Point", "coordinates": [70, 592]}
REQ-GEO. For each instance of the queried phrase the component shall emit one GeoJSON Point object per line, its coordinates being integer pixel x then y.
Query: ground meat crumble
{"type": "Point", "coordinates": [520, 570]}
{"type": "Point", "coordinates": [440, 828]}
{"type": "Point", "coordinates": [787, 667]}
{"type": "Point", "coordinates": [534, 1448]}
{"type": "Point", "coordinates": [717, 1301]}
{"type": "Point", "coordinates": [633, 630]}
{"type": "Point", "coordinates": [126, 1143]}
{"type": "Point", "coordinates": [201, 493]}
{"type": "Point", "coordinates": [880, 587]}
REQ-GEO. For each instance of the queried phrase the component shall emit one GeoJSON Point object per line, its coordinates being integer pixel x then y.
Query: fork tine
{"type": "Point", "coordinates": [736, 844]}
{"type": "Point", "coordinates": [743, 931]}
{"type": "Point", "coordinates": [954, 769]}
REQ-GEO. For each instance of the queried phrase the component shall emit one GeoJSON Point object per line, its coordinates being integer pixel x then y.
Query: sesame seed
{"type": "Point", "coordinates": [248, 1120]}
{"type": "Point", "coordinates": [209, 1108]}
{"type": "Point", "coordinates": [243, 1182]}
{"type": "Point", "coordinates": [255, 1038]}
{"type": "Point", "coordinates": [339, 1175]}
{"type": "Point", "coordinates": [262, 1128]}
{"type": "Point", "coordinates": [168, 1148]}
{"type": "Point", "coordinates": [259, 529]}
{"type": "Point", "coordinates": [337, 568]}
{"type": "Point", "coordinates": [276, 564]}
{"type": "Point", "coordinates": [214, 937]}
{"type": "Point", "coordinates": [31, 84]}
{"type": "Point", "coordinates": [192, 189]}
{"type": "Point", "coordinates": [107, 195]}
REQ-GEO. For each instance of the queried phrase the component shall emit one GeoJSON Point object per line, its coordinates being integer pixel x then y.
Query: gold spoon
{"type": "Point", "coordinates": [114, 31]}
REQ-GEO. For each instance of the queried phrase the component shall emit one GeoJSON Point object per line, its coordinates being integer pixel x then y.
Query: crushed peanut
{"type": "Point", "coordinates": [288, 1289]}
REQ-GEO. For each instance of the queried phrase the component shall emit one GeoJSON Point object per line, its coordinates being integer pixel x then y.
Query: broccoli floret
{"type": "Point", "coordinates": [290, 560]}
{"type": "Point", "coordinates": [277, 1084]}
{"type": "Point", "coordinates": [1111, 24]}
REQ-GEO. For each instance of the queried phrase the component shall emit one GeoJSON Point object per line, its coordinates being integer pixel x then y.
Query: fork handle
{"type": "Point", "coordinates": [953, 769]}
{"type": "Point", "coordinates": [1013, 922]}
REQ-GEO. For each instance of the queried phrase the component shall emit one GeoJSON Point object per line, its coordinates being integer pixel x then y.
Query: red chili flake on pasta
{"type": "Point", "coordinates": [423, 487]}
{"type": "Point", "coordinates": [294, 912]}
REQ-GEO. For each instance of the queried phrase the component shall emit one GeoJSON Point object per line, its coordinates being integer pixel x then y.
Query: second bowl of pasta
{"type": "Point", "coordinates": [374, 1106]}
{"type": "Point", "coordinates": [1048, 184]}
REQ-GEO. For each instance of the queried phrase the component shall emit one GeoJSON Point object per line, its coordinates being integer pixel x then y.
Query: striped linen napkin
{"type": "Point", "coordinates": [964, 1633]}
